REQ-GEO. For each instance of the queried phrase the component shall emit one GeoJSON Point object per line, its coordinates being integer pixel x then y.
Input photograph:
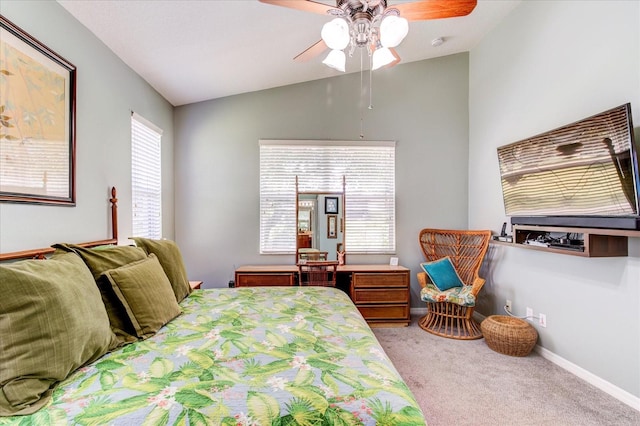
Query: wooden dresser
{"type": "Point", "coordinates": [381, 292]}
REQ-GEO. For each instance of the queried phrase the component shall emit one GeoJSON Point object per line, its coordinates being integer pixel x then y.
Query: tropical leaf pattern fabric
{"type": "Point", "coordinates": [462, 296]}
{"type": "Point", "coordinates": [244, 356]}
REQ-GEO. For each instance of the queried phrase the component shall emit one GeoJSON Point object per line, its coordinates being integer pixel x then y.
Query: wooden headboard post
{"type": "Point", "coordinates": [42, 252]}
{"type": "Point", "coordinates": [114, 214]}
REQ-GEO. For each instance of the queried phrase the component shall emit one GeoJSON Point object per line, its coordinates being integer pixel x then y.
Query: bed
{"type": "Point", "coordinates": [230, 356]}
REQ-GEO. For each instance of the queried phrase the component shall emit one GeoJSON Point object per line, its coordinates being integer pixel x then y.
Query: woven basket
{"type": "Point", "coordinates": [508, 335]}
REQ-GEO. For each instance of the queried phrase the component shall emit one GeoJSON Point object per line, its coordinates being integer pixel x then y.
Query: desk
{"type": "Point", "coordinates": [380, 292]}
{"type": "Point", "coordinates": [266, 275]}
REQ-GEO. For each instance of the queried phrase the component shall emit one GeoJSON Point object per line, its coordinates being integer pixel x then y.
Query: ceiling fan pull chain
{"type": "Point", "coordinates": [370, 82]}
{"type": "Point", "coordinates": [361, 103]}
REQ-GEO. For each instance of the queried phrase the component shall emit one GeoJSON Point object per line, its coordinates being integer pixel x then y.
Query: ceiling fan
{"type": "Point", "coordinates": [370, 24]}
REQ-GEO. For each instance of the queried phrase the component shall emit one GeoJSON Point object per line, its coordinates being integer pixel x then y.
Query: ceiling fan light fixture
{"type": "Point", "coordinates": [335, 34]}
{"type": "Point", "coordinates": [336, 59]}
{"type": "Point", "coordinates": [393, 29]}
{"type": "Point", "coordinates": [382, 57]}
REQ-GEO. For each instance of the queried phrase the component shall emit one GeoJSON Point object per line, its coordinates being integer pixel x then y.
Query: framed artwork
{"type": "Point", "coordinates": [37, 121]}
{"type": "Point", "coordinates": [331, 205]}
{"type": "Point", "coordinates": [332, 226]}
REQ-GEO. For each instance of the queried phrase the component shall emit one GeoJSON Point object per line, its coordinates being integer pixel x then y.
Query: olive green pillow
{"type": "Point", "coordinates": [172, 262]}
{"type": "Point", "coordinates": [99, 261]}
{"type": "Point", "coordinates": [52, 321]}
{"type": "Point", "coordinates": [145, 292]}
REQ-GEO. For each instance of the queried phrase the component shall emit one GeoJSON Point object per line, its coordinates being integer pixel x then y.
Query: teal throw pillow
{"type": "Point", "coordinates": [442, 273]}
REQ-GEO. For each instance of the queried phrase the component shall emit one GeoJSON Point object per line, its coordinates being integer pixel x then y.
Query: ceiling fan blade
{"type": "Point", "coordinates": [312, 52]}
{"type": "Point", "coordinates": [435, 9]}
{"type": "Point", "coordinates": [306, 6]}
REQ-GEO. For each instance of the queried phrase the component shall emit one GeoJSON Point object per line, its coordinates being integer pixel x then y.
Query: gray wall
{"type": "Point", "coordinates": [546, 65]}
{"type": "Point", "coordinates": [421, 105]}
{"type": "Point", "coordinates": [107, 92]}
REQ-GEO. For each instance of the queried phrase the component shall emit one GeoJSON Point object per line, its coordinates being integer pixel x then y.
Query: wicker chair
{"type": "Point", "coordinates": [321, 273]}
{"type": "Point", "coordinates": [451, 317]}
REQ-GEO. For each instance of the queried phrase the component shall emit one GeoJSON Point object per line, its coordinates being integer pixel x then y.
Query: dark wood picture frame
{"type": "Point", "coordinates": [37, 121]}
{"type": "Point", "coordinates": [331, 205]}
{"type": "Point", "coordinates": [332, 226]}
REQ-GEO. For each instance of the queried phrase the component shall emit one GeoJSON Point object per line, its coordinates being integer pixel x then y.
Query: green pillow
{"type": "Point", "coordinates": [145, 291]}
{"type": "Point", "coordinates": [171, 260]}
{"type": "Point", "coordinates": [99, 261]}
{"type": "Point", "coordinates": [442, 273]}
{"type": "Point", "coordinates": [52, 321]}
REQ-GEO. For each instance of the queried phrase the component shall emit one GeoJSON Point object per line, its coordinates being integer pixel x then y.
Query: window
{"type": "Point", "coordinates": [369, 171]}
{"type": "Point", "coordinates": [146, 178]}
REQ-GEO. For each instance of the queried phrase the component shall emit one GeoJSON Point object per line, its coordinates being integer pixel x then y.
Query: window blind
{"type": "Point", "coordinates": [369, 171]}
{"type": "Point", "coordinates": [146, 178]}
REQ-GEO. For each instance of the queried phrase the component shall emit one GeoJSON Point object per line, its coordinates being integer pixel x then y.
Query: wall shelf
{"type": "Point", "coordinates": [597, 242]}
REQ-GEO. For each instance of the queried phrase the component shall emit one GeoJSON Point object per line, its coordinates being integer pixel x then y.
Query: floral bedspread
{"type": "Point", "coordinates": [245, 356]}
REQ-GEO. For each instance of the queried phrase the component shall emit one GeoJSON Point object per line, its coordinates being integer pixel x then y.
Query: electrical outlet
{"type": "Point", "coordinates": [508, 305]}
{"type": "Point", "coordinates": [530, 314]}
{"type": "Point", "coordinates": [543, 320]}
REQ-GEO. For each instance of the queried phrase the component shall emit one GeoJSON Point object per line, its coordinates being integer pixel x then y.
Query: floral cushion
{"type": "Point", "coordinates": [459, 295]}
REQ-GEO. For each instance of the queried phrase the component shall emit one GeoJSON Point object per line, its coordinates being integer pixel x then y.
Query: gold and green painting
{"type": "Point", "coordinates": [37, 121]}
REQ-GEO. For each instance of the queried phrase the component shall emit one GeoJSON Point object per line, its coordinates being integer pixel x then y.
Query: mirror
{"type": "Point", "coordinates": [319, 225]}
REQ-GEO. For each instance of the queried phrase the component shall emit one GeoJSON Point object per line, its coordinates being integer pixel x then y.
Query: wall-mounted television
{"type": "Point", "coordinates": [583, 174]}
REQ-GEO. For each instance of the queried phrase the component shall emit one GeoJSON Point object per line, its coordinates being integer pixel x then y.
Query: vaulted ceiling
{"type": "Point", "coordinates": [192, 51]}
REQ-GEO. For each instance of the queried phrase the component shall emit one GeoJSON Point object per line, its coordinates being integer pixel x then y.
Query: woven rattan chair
{"type": "Point", "coordinates": [452, 317]}
{"type": "Point", "coordinates": [321, 273]}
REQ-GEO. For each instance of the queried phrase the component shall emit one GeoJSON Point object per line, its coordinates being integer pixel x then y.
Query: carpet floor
{"type": "Point", "coordinates": [466, 383]}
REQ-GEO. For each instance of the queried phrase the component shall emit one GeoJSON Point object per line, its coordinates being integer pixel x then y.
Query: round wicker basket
{"type": "Point", "coordinates": [508, 335]}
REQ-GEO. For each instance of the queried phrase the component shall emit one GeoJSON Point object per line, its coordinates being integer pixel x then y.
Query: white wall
{"type": "Point", "coordinates": [421, 105]}
{"type": "Point", "coordinates": [107, 92]}
{"type": "Point", "coordinates": [549, 64]}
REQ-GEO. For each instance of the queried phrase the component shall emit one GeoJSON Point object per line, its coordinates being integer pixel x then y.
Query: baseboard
{"type": "Point", "coordinates": [616, 392]}
{"type": "Point", "coordinates": [607, 387]}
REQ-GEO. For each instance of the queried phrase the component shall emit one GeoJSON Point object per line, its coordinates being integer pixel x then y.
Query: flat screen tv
{"type": "Point", "coordinates": [584, 174]}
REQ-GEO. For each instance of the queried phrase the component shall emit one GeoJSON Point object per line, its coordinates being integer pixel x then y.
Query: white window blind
{"type": "Point", "coordinates": [369, 171]}
{"type": "Point", "coordinates": [146, 178]}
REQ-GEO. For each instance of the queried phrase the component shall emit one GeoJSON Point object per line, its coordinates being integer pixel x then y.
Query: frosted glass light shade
{"type": "Point", "coordinates": [336, 34]}
{"type": "Point", "coordinates": [393, 29]}
{"type": "Point", "coordinates": [336, 59]}
{"type": "Point", "coordinates": [382, 57]}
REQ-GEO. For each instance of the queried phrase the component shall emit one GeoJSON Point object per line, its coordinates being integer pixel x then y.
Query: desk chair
{"type": "Point", "coordinates": [321, 273]}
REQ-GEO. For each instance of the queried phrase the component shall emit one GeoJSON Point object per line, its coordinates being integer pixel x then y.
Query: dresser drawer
{"type": "Point", "coordinates": [361, 279]}
{"type": "Point", "coordinates": [384, 312]}
{"type": "Point", "coordinates": [264, 280]}
{"type": "Point", "coordinates": [381, 295]}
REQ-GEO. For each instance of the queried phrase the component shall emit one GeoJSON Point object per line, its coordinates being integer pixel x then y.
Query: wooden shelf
{"type": "Point", "coordinates": [597, 242]}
